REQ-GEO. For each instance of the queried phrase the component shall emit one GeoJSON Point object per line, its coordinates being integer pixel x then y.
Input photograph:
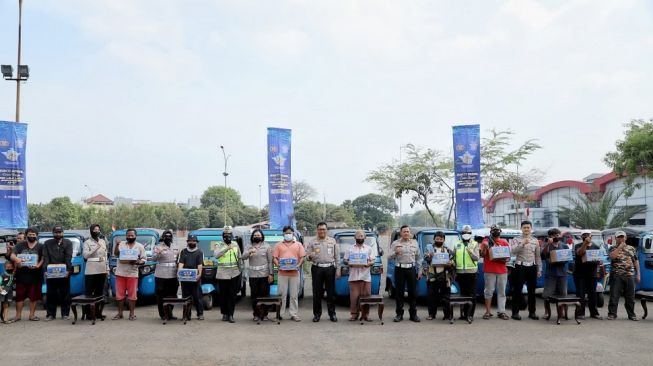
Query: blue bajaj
{"type": "Point", "coordinates": [77, 238]}
{"type": "Point", "coordinates": [149, 238]}
{"type": "Point", "coordinates": [345, 239]}
{"type": "Point", "coordinates": [424, 236]}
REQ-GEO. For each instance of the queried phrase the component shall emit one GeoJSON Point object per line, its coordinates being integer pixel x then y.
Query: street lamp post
{"type": "Point", "coordinates": [225, 174]}
{"type": "Point", "coordinates": [22, 72]}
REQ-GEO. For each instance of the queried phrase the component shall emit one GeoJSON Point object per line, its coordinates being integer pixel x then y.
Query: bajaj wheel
{"type": "Point", "coordinates": [207, 301]}
{"type": "Point", "coordinates": [600, 301]}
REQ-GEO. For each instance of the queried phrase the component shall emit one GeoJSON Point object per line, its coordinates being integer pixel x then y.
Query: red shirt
{"type": "Point", "coordinates": [497, 266]}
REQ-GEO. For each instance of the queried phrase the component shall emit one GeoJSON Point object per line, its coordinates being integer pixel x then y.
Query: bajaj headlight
{"type": "Point", "coordinates": [344, 271]}
{"type": "Point", "coordinates": [376, 270]}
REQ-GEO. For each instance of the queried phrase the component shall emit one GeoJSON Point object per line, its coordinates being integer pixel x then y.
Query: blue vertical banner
{"type": "Point", "coordinates": [467, 169]}
{"type": "Point", "coordinates": [13, 189]}
{"type": "Point", "coordinates": [279, 179]}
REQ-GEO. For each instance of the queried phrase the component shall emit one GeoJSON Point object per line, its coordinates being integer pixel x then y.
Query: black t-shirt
{"type": "Point", "coordinates": [27, 275]}
{"type": "Point", "coordinates": [586, 269]}
{"type": "Point", "coordinates": [191, 260]}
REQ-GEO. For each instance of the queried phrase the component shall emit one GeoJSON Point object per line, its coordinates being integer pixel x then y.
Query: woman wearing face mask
{"type": "Point", "coordinates": [165, 274]}
{"type": "Point", "coordinates": [360, 277]}
{"type": "Point", "coordinates": [95, 274]}
{"type": "Point", "coordinates": [260, 271]}
{"type": "Point", "coordinates": [439, 275]}
{"type": "Point", "coordinates": [228, 273]}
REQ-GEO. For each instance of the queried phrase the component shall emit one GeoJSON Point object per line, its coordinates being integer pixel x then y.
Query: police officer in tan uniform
{"type": "Point", "coordinates": [408, 270]}
{"type": "Point", "coordinates": [324, 253]}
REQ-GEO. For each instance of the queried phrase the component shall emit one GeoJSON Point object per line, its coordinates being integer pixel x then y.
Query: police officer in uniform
{"type": "Point", "coordinates": [228, 273]}
{"type": "Point", "coordinates": [324, 254]}
{"type": "Point", "coordinates": [408, 270]}
{"type": "Point", "coordinates": [165, 274]}
{"type": "Point", "coordinates": [466, 254]}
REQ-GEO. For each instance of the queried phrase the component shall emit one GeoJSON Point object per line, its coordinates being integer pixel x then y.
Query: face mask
{"type": "Point", "coordinates": [360, 241]}
{"type": "Point", "coordinates": [555, 239]}
{"type": "Point", "coordinates": [31, 239]}
{"type": "Point", "coordinates": [167, 240]}
{"type": "Point", "coordinates": [439, 243]}
{"type": "Point", "coordinates": [257, 240]}
{"type": "Point", "coordinates": [496, 234]}
{"type": "Point", "coordinates": [192, 245]}
{"type": "Point", "coordinates": [95, 234]}
{"type": "Point", "coordinates": [467, 237]}
{"type": "Point", "coordinates": [288, 237]}
{"type": "Point", "coordinates": [58, 236]}
{"type": "Point", "coordinates": [227, 239]}
{"type": "Point", "coordinates": [131, 240]}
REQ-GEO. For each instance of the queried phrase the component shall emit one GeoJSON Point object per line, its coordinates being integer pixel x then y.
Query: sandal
{"type": "Point", "coordinates": [34, 319]}
{"type": "Point", "coordinates": [504, 316]}
{"type": "Point", "coordinates": [486, 316]}
{"type": "Point", "coordinates": [116, 317]}
{"type": "Point", "coordinates": [429, 317]}
{"type": "Point", "coordinates": [353, 318]}
{"type": "Point", "coordinates": [132, 317]}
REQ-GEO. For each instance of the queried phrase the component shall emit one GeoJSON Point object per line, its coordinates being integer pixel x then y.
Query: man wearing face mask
{"type": "Point", "coordinates": [439, 276]}
{"type": "Point", "coordinates": [192, 258]}
{"type": "Point", "coordinates": [528, 267]}
{"type": "Point", "coordinates": [95, 274]}
{"type": "Point", "coordinates": [228, 273]}
{"type": "Point", "coordinates": [165, 274]}
{"type": "Point", "coordinates": [260, 271]}
{"type": "Point", "coordinates": [291, 253]}
{"type": "Point", "coordinates": [466, 253]}
{"type": "Point", "coordinates": [555, 276]}
{"type": "Point", "coordinates": [585, 276]}
{"type": "Point", "coordinates": [58, 250]}
{"type": "Point", "coordinates": [360, 276]}
{"type": "Point", "coordinates": [495, 274]}
{"type": "Point", "coordinates": [408, 270]}
{"type": "Point", "coordinates": [325, 255]}
{"type": "Point", "coordinates": [127, 273]}
{"type": "Point", "coordinates": [28, 278]}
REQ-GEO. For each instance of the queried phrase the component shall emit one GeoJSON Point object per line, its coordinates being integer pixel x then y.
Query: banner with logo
{"type": "Point", "coordinates": [13, 191]}
{"type": "Point", "coordinates": [467, 169]}
{"type": "Point", "coordinates": [279, 178]}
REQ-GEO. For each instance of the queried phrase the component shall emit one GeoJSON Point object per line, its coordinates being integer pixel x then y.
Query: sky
{"type": "Point", "coordinates": [134, 98]}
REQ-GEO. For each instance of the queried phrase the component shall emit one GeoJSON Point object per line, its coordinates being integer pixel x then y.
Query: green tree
{"type": "Point", "coordinates": [421, 218]}
{"type": "Point", "coordinates": [198, 218]}
{"type": "Point", "coordinates": [218, 195]}
{"type": "Point", "coordinates": [144, 216]}
{"type": "Point", "coordinates": [426, 176]}
{"type": "Point", "coordinates": [170, 216]}
{"type": "Point", "coordinates": [308, 214]}
{"type": "Point", "coordinates": [634, 155]}
{"type": "Point", "coordinates": [598, 211]}
{"type": "Point", "coordinates": [372, 210]}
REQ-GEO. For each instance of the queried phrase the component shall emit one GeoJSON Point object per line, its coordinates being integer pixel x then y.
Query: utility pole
{"type": "Point", "coordinates": [225, 173]}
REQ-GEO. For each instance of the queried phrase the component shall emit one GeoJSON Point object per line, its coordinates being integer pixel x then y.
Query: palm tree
{"type": "Point", "coordinates": [599, 211]}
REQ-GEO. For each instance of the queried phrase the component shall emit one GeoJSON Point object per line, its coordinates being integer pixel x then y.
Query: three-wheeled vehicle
{"type": "Point", "coordinates": [424, 236]}
{"type": "Point", "coordinates": [345, 239]}
{"type": "Point", "coordinates": [149, 237]}
{"type": "Point", "coordinates": [643, 241]}
{"type": "Point", "coordinates": [272, 237]}
{"type": "Point", "coordinates": [208, 239]}
{"type": "Point", "coordinates": [77, 238]}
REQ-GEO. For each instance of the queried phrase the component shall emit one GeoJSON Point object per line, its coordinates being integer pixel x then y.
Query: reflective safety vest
{"type": "Point", "coordinates": [229, 258]}
{"type": "Point", "coordinates": [463, 260]}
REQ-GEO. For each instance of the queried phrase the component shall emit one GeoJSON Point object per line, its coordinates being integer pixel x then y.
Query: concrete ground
{"type": "Point", "coordinates": [213, 342]}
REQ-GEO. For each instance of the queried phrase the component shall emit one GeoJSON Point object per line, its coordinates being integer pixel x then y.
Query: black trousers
{"type": "Point", "coordinates": [228, 292]}
{"type": "Point", "coordinates": [406, 278]}
{"type": "Point", "coordinates": [467, 283]}
{"type": "Point", "coordinates": [324, 278]}
{"type": "Point", "coordinates": [194, 290]}
{"type": "Point", "coordinates": [586, 291]}
{"type": "Point", "coordinates": [58, 294]}
{"type": "Point", "coordinates": [437, 290]}
{"type": "Point", "coordinates": [527, 275]}
{"type": "Point", "coordinates": [259, 287]}
{"type": "Point", "coordinates": [94, 287]}
{"type": "Point", "coordinates": [165, 287]}
{"type": "Point", "coordinates": [619, 285]}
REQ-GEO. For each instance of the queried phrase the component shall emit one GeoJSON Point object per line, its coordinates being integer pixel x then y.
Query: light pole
{"type": "Point", "coordinates": [22, 74]}
{"type": "Point", "coordinates": [226, 159]}
{"type": "Point", "coordinates": [259, 198]}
